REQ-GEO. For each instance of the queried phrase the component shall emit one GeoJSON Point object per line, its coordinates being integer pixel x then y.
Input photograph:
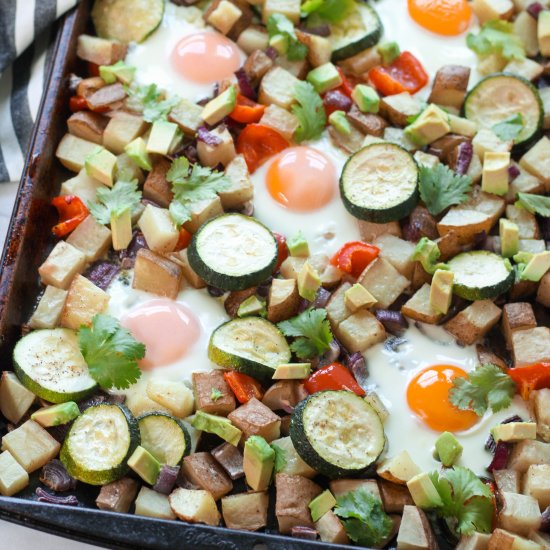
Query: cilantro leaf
{"type": "Point", "coordinates": [363, 517]}
{"type": "Point", "coordinates": [536, 204]}
{"type": "Point", "coordinates": [114, 201]}
{"type": "Point", "coordinates": [111, 352]}
{"type": "Point", "coordinates": [280, 457]}
{"type": "Point", "coordinates": [440, 188]}
{"type": "Point", "coordinates": [333, 11]}
{"type": "Point", "coordinates": [215, 394]}
{"type": "Point", "coordinates": [309, 111]}
{"type": "Point", "coordinates": [311, 330]}
{"type": "Point", "coordinates": [496, 37]}
{"type": "Point", "coordinates": [486, 386]}
{"type": "Point", "coordinates": [509, 128]}
{"type": "Point", "coordinates": [467, 501]}
{"type": "Point", "coordinates": [149, 101]}
{"type": "Point", "coordinates": [279, 24]}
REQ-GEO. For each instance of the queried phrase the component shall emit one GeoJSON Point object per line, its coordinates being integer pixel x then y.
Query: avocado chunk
{"type": "Point", "coordinates": [427, 253]}
{"type": "Point", "coordinates": [252, 306]}
{"type": "Point", "coordinates": [119, 71]}
{"type": "Point", "coordinates": [358, 297]}
{"type": "Point", "coordinates": [321, 504]}
{"type": "Point", "coordinates": [297, 246]}
{"type": "Point", "coordinates": [121, 229]}
{"type": "Point", "coordinates": [366, 98]}
{"type": "Point", "coordinates": [101, 165]}
{"type": "Point", "coordinates": [494, 178]}
{"type": "Point", "coordinates": [146, 466]}
{"type": "Point", "coordinates": [292, 371]}
{"type": "Point", "coordinates": [441, 290]}
{"type": "Point", "coordinates": [431, 124]}
{"type": "Point", "coordinates": [536, 267]}
{"type": "Point", "coordinates": [509, 238]}
{"type": "Point", "coordinates": [515, 431]}
{"type": "Point", "coordinates": [389, 52]}
{"type": "Point", "coordinates": [308, 282]}
{"type": "Point", "coordinates": [324, 78]}
{"type": "Point", "coordinates": [218, 425]}
{"type": "Point", "coordinates": [423, 491]}
{"type": "Point", "coordinates": [340, 123]}
{"type": "Point", "coordinates": [258, 462]}
{"type": "Point", "coordinates": [279, 42]}
{"type": "Point", "coordinates": [448, 449]}
{"type": "Point", "coordinates": [56, 415]}
{"type": "Point", "coordinates": [164, 137]}
{"type": "Point", "coordinates": [137, 151]}
{"type": "Point", "coordinates": [219, 107]}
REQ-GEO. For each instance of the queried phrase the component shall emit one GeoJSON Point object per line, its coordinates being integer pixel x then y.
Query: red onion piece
{"type": "Point", "coordinates": [500, 460]}
{"type": "Point", "coordinates": [464, 158]}
{"type": "Point", "coordinates": [303, 305]}
{"type": "Point", "coordinates": [245, 86]}
{"type": "Point", "coordinates": [166, 479]}
{"type": "Point", "coordinates": [331, 355]}
{"type": "Point", "coordinates": [303, 532]}
{"type": "Point", "coordinates": [59, 433]}
{"type": "Point", "coordinates": [127, 256]}
{"type": "Point", "coordinates": [393, 321]}
{"type": "Point", "coordinates": [358, 367]}
{"type": "Point", "coordinates": [55, 477]}
{"type": "Point", "coordinates": [321, 298]}
{"type": "Point", "coordinates": [204, 135]}
{"type": "Point", "coordinates": [336, 100]}
{"type": "Point", "coordinates": [545, 523]}
{"type": "Point", "coordinates": [102, 274]}
{"type": "Point", "coordinates": [544, 224]}
{"type": "Point", "coordinates": [534, 9]}
{"type": "Point", "coordinates": [513, 172]}
{"type": "Point", "coordinates": [263, 288]}
{"type": "Point", "coordinates": [272, 53]}
{"type": "Point", "coordinates": [44, 496]}
{"type": "Point", "coordinates": [215, 292]}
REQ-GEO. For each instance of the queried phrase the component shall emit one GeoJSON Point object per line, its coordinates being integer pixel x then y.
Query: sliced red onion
{"type": "Point", "coordinates": [357, 364]}
{"type": "Point", "coordinates": [500, 460]}
{"type": "Point", "coordinates": [102, 273]}
{"type": "Point", "coordinates": [464, 158]}
{"type": "Point", "coordinates": [97, 399]}
{"type": "Point", "coordinates": [321, 298]}
{"type": "Point", "coordinates": [303, 305]}
{"type": "Point", "coordinates": [331, 355]}
{"type": "Point", "coordinates": [127, 256]}
{"type": "Point", "coordinates": [231, 460]}
{"type": "Point", "coordinates": [245, 86]}
{"type": "Point", "coordinates": [303, 532]}
{"type": "Point", "coordinates": [513, 172]}
{"type": "Point", "coordinates": [337, 100]}
{"type": "Point", "coordinates": [184, 2]}
{"type": "Point", "coordinates": [166, 479]}
{"type": "Point", "coordinates": [393, 321]}
{"type": "Point", "coordinates": [318, 30]}
{"type": "Point", "coordinates": [534, 9]}
{"type": "Point", "coordinates": [272, 53]}
{"type": "Point", "coordinates": [545, 523]}
{"type": "Point", "coordinates": [263, 288]}
{"type": "Point", "coordinates": [286, 406]}
{"type": "Point", "coordinates": [44, 496]}
{"type": "Point", "coordinates": [544, 224]}
{"type": "Point", "coordinates": [420, 224]}
{"type": "Point", "coordinates": [215, 292]}
{"type": "Point", "coordinates": [59, 433]}
{"type": "Point", "coordinates": [204, 135]}
{"type": "Point", "coordinates": [54, 476]}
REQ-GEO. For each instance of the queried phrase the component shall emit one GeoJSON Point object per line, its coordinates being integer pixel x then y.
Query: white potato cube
{"type": "Point", "coordinates": [194, 506]}
{"type": "Point", "coordinates": [121, 130]}
{"type": "Point", "coordinates": [48, 310]}
{"type": "Point", "coordinates": [241, 188]}
{"type": "Point", "coordinates": [15, 399]}
{"type": "Point", "coordinates": [13, 478]}
{"type": "Point", "coordinates": [153, 504]}
{"type": "Point", "coordinates": [175, 396]}
{"type": "Point", "coordinates": [288, 8]}
{"type": "Point", "coordinates": [83, 186]}
{"type": "Point", "coordinates": [158, 229]}
{"type": "Point", "coordinates": [537, 160]}
{"type": "Point", "coordinates": [486, 10]}
{"type": "Point", "coordinates": [63, 263]}
{"type": "Point", "coordinates": [278, 87]}
{"type": "Point", "coordinates": [91, 238]}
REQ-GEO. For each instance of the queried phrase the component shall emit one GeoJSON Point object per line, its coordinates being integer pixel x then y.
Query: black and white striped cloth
{"type": "Point", "coordinates": [26, 36]}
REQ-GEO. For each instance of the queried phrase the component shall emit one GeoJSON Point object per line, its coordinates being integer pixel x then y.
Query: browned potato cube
{"type": "Point", "coordinates": [418, 307]}
{"type": "Point", "coordinates": [449, 246]}
{"type": "Point", "coordinates": [100, 50]}
{"type": "Point", "coordinates": [504, 540]}
{"type": "Point", "coordinates": [398, 252]}
{"type": "Point", "coordinates": [192, 278]}
{"type": "Point", "coordinates": [202, 211]}
{"type": "Point", "coordinates": [245, 511]}
{"type": "Point", "coordinates": [72, 151]}
{"type": "Point", "coordinates": [508, 481]}
{"type": "Point", "coordinates": [156, 186]}
{"type": "Point", "coordinates": [203, 384]}
{"type": "Point", "coordinates": [87, 125]}
{"type": "Point", "coordinates": [118, 495]}
{"type": "Point", "coordinates": [336, 307]}
{"type": "Point", "coordinates": [230, 17]}
{"type": "Point", "coordinates": [154, 273]}
{"type": "Point", "coordinates": [415, 532]}
{"type": "Point", "coordinates": [394, 497]}
{"type": "Point", "coordinates": [398, 108]}
{"type": "Point", "coordinates": [48, 310]}
{"type": "Point", "coordinates": [91, 238]}
{"type": "Point", "coordinates": [187, 116]}
{"type": "Point", "coordinates": [516, 316]}
{"type": "Point", "coordinates": [540, 401]}
{"type": "Point", "coordinates": [384, 282]}
{"type": "Point", "coordinates": [349, 143]}
{"type": "Point", "coordinates": [122, 129]}
{"type": "Point", "coordinates": [339, 487]}
{"type": "Point", "coordinates": [543, 292]}
{"type": "Point", "coordinates": [528, 452]}
{"type": "Point", "coordinates": [254, 418]}
{"type": "Point", "coordinates": [450, 85]}
{"type": "Point", "coordinates": [283, 300]}
{"type": "Point", "coordinates": [474, 322]}
{"type": "Point", "coordinates": [280, 120]}
{"type": "Point", "coordinates": [241, 188]}
{"type": "Point", "coordinates": [202, 470]}
{"type": "Point", "coordinates": [367, 123]}
{"type": "Point", "coordinates": [256, 66]}
{"type": "Point", "coordinates": [106, 97]}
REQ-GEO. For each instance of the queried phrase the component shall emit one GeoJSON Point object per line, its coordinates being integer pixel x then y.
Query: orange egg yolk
{"type": "Point", "coordinates": [167, 329]}
{"type": "Point", "coordinates": [301, 179]}
{"type": "Point", "coordinates": [206, 57]}
{"type": "Point", "coordinates": [428, 398]}
{"type": "Point", "coordinates": [447, 17]}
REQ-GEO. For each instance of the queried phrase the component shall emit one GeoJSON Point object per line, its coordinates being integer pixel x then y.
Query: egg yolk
{"type": "Point", "coordinates": [428, 398]}
{"type": "Point", "coordinates": [447, 17]}
{"type": "Point", "coordinates": [206, 57]}
{"type": "Point", "coordinates": [167, 329]}
{"type": "Point", "coordinates": [301, 179]}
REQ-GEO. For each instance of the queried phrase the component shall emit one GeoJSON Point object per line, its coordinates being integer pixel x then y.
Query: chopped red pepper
{"type": "Point", "coordinates": [531, 377]}
{"type": "Point", "coordinates": [333, 377]}
{"type": "Point", "coordinates": [243, 386]}
{"type": "Point", "coordinates": [93, 69]}
{"type": "Point", "coordinates": [72, 211]}
{"type": "Point", "coordinates": [247, 111]}
{"type": "Point", "coordinates": [405, 74]}
{"type": "Point", "coordinates": [184, 239]}
{"type": "Point", "coordinates": [258, 143]}
{"type": "Point", "coordinates": [77, 103]}
{"type": "Point", "coordinates": [354, 256]}
{"type": "Point", "coordinates": [282, 250]}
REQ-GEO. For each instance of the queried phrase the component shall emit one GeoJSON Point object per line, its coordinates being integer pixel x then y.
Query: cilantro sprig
{"type": "Point", "coordinates": [536, 204]}
{"type": "Point", "coordinates": [440, 188]}
{"type": "Point", "coordinates": [111, 352]}
{"type": "Point", "coordinates": [467, 501]}
{"type": "Point", "coordinates": [149, 101]}
{"type": "Point", "coordinates": [309, 111]}
{"type": "Point", "coordinates": [509, 128]}
{"type": "Point", "coordinates": [332, 11]}
{"type": "Point", "coordinates": [114, 201]}
{"type": "Point", "coordinates": [190, 186]}
{"type": "Point", "coordinates": [311, 330]}
{"type": "Point", "coordinates": [363, 517]}
{"type": "Point", "coordinates": [496, 37]}
{"type": "Point", "coordinates": [486, 386]}
{"type": "Point", "coordinates": [280, 25]}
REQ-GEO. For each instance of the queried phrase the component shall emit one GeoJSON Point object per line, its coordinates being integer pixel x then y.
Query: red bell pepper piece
{"type": "Point", "coordinates": [257, 143]}
{"type": "Point", "coordinates": [282, 250]}
{"type": "Point", "coordinates": [531, 377]}
{"type": "Point", "coordinates": [77, 103]}
{"type": "Point", "coordinates": [93, 69]}
{"type": "Point", "coordinates": [184, 239]}
{"type": "Point", "coordinates": [243, 386]}
{"type": "Point", "coordinates": [333, 377]}
{"type": "Point", "coordinates": [347, 84]}
{"type": "Point", "coordinates": [405, 74]}
{"type": "Point", "coordinates": [354, 256]}
{"type": "Point", "coordinates": [246, 110]}
{"type": "Point", "coordinates": [72, 211]}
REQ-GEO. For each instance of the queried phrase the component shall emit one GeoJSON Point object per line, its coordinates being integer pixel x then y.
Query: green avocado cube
{"type": "Point", "coordinates": [514, 431]}
{"type": "Point", "coordinates": [509, 237]}
{"type": "Point", "coordinates": [324, 78]}
{"type": "Point", "coordinates": [536, 267]}
{"type": "Point", "coordinates": [389, 51]}
{"type": "Point", "coordinates": [358, 297]}
{"type": "Point", "coordinates": [279, 42]}
{"type": "Point", "coordinates": [163, 137]}
{"type": "Point", "coordinates": [448, 449]}
{"type": "Point", "coordinates": [441, 290]}
{"type": "Point", "coordinates": [423, 491]}
{"type": "Point", "coordinates": [339, 121]}
{"type": "Point", "coordinates": [431, 124]}
{"type": "Point", "coordinates": [427, 253]}
{"type": "Point", "coordinates": [292, 371]}
{"type": "Point", "coordinates": [366, 98]}
{"type": "Point", "coordinates": [119, 71]}
{"type": "Point", "coordinates": [219, 107]}
{"type": "Point", "coordinates": [297, 246]}
{"type": "Point", "coordinates": [258, 462]}
{"type": "Point", "coordinates": [252, 306]}
{"type": "Point", "coordinates": [121, 229]}
{"type": "Point", "coordinates": [56, 414]}
{"type": "Point", "coordinates": [101, 165]}
{"type": "Point", "coordinates": [308, 282]}
{"type": "Point", "coordinates": [137, 151]}
{"type": "Point", "coordinates": [494, 178]}
{"type": "Point", "coordinates": [218, 425]}
{"type": "Point", "coordinates": [145, 465]}
{"type": "Point", "coordinates": [321, 504]}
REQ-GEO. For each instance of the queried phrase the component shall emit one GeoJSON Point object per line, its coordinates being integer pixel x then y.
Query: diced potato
{"type": "Point", "coordinates": [100, 51]}
{"type": "Point", "coordinates": [246, 511]}
{"type": "Point", "coordinates": [160, 233]}
{"type": "Point", "coordinates": [222, 153]}
{"type": "Point", "coordinates": [371, 231]}
{"type": "Point", "coordinates": [384, 282]}
{"type": "Point", "coordinates": [13, 478]}
{"type": "Point", "coordinates": [280, 120]}
{"type": "Point", "coordinates": [202, 211]}
{"type": "Point", "coordinates": [418, 307]}
{"type": "Point", "coordinates": [257, 64]}
{"type": "Point", "coordinates": [360, 331]}
{"type": "Point", "coordinates": [15, 399]}
{"type": "Point", "coordinates": [524, 183]}
{"type": "Point", "coordinates": [62, 264]}
{"type": "Point", "coordinates": [339, 487]}
{"type": "Point", "coordinates": [359, 64]}
{"type": "Point", "coordinates": [203, 471]}
{"type": "Point", "coordinates": [223, 15]}
{"type": "Point", "coordinates": [531, 346]}
{"type": "Point", "coordinates": [537, 161]}
{"type": "Point", "coordinates": [156, 187]}
{"type": "Point", "coordinates": [291, 267]}
{"type": "Point", "coordinates": [118, 495]}
{"type": "Point", "coordinates": [173, 395]}
{"type": "Point", "coordinates": [507, 480]}
{"type": "Point", "coordinates": [91, 238]}
{"type": "Point", "coordinates": [519, 513]}
{"type": "Point", "coordinates": [536, 484]}
{"type": "Point", "coordinates": [415, 532]}
{"type": "Point", "coordinates": [331, 529]}
{"type": "Point", "coordinates": [504, 540]}
{"type": "Point", "coordinates": [528, 452]}
{"type": "Point", "coordinates": [349, 143]}
{"type": "Point", "coordinates": [187, 116]}
{"type": "Point", "coordinates": [517, 316]}
{"type": "Point", "coordinates": [398, 252]}
{"type": "Point", "coordinates": [283, 300]}
{"type": "Point", "coordinates": [492, 9]}
{"type": "Point", "coordinates": [31, 445]}
{"type": "Point", "coordinates": [475, 541]}
{"type": "Point", "coordinates": [337, 312]}
{"type": "Point", "coordinates": [526, 222]}
{"type": "Point", "coordinates": [83, 301]}
{"type": "Point", "coordinates": [156, 274]}
{"type": "Point", "coordinates": [139, 402]}
{"type": "Point", "coordinates": [474, 322]}
{"type": "Point", "coordinates": [450, 85]}
{"type": "Point", "coordinates": [426, 159]}
{"type": "Point", "coordinates": [191, 277]}
{"type": "Point", "coordinates": [72, 151]}
{"type": "Point", "coordinates": [203, 384]}
{"type": "Point", "coordinates": [194, 506]}
{"type": "Point", "coordinates": [241, 188]}
{"type": "Point", "coordinates": [277, 87]}
{"type": "Point", "coordinates": [398, 469]}
{"type": "Point", "coordinates": [540, 401]}
{"type": "Point", "coordinates": [153, 504]}
{"type": "Point", "coordinates": [525, 26]}
{"type": "Point", "coordinates": [487, 141]}
{"type": "Point", "coordinates": [121, 130]}
{"type": "Point", "coordinates": [48, 310]}
{"type": "Point", "coordinates": [399, 108]}
{"type": "Point", "coordinates": [288, 8]}
{"type": "Point", "coordinates": [527, 68]}
{"type": "Point", "coordinates": [293, 464]}
{"type": "Point", "coordinates": [394, 497]}
{"type": "Point", "coordinates": [83, 186]}
{"type": "Point", "coordinates": [319, 48]}
{"type": "Point", "coordinates": [254, 418]}
{"type": "Point", "coordinates": [253, 38]}
{"type": "Point", "coordinates": [543, 292]}
{"type": "Point", "coordinates": [87, 125]}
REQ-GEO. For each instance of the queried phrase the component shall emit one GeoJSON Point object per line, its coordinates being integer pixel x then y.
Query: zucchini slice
{"type": "Point", "coordinates": [360, 29]}
{"type": "Point", "coordinates": [99, 443]}
{"type": "Point", "coordinates": [337, 433]}
{"type": "Point", "coordinates": [165, 437]}
{"type": "Point", "coordinates": [379, 183]}
{"type": "Point", "coordinates": [127, 20]}
{"type": "Point", "coordinates": [233, 252]}
{"type": "Point", "coordinates": [250, 345]}
{"type": "Point", "coordinates": [499, 96]}
{"type": "Point", "coordinates": [48, 362]}
{"type": "Point", "coordinates": [481, 274]}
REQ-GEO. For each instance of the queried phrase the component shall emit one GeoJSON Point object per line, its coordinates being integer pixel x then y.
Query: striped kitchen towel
{"type": "Point", "coordinates": [26, 36]}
